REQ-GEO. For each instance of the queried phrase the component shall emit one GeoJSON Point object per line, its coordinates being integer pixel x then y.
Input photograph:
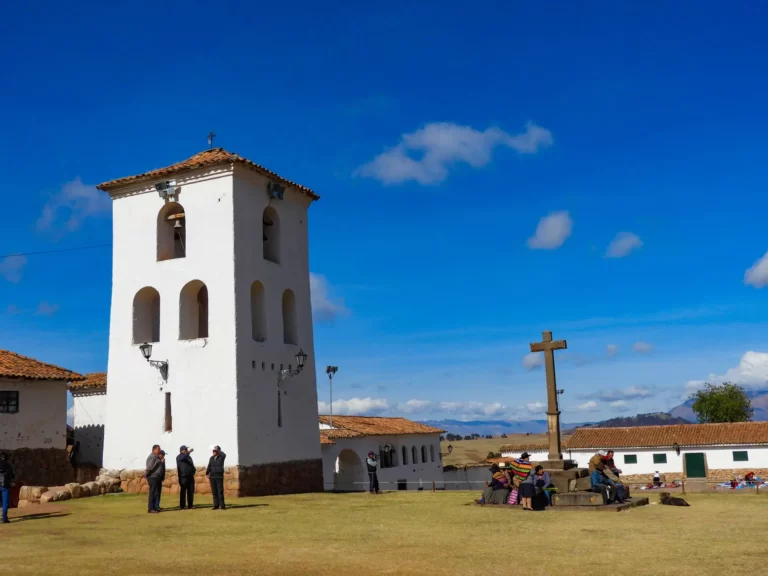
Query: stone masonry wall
{"type": "Point", "coordinates": [260, 480]}
{"type": "Point", "coordinates": [723, 475]}
{"type": "Point", "coordinates": [41, 466]}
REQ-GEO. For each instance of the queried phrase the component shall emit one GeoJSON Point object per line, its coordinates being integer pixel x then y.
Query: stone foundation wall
{"type": "Point", "coordinates": [294, 477]}
{"type": "Point", "coordinates": [41, 466]}
{"type": "Point", "coordinates": [722, 475]}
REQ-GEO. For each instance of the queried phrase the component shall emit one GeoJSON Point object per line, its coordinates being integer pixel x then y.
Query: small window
{"type": "Point", "coordinates": [146, 316]}
{"type": "Point", "coordinates": [415, 455]}
{"type": "Point", "coordinates": [740, 456]}
{"type": "Point", "coordinates": [258, 312]}
{"type": "Point", "coordinates": [659, 458]}
{"type": "Point", "coordinates": [405, 456]}
{"type": "Point", "coordinates": [424, 454]}
{"type": "Point", "coordinates": [630, 458]}
{"type": "Point", "coordinates": [387, 457]}
{"type": "Point", "coordinates": [431, 453]}
{"type": "Point", "coordinates": [9, 402]}
{"type": "Point", "coordinates": [168, 424]}
{"type": "Point", "coordinates": [193, 311]}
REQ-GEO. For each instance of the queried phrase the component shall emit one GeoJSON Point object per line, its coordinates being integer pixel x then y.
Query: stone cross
{"type": "Point", "coordinates": [548, 346]}
{"type": "Point", "coordinates": [211, 136]}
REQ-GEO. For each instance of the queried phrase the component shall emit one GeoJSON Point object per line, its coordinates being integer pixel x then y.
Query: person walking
{"type": "Point", "coordinates": [153, 472]}
{"type": "Point", "coordinates": [215, 473]}
{"type": "Point", "coordinates": [373, 478]}
{"type": "Point", "coordinates": [185, 468]}
{"type": "Point", "coordinates": [6, 476]}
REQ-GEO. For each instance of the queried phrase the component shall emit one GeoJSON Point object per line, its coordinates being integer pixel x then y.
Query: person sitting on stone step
{"type": "Point", "coordinates": [497, 490]}
{"type": "Point", "coordinates": [601, 486]}
{"type": "Point", "coordinates": [598, 463]}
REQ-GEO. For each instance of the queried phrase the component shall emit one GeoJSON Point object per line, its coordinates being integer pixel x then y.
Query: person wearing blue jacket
{"type": "Point", "coordinates": [6, 476]}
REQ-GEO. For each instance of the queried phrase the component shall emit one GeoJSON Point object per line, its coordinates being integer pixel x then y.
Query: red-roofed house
{"type": "Point", "coordinates": [408, 453]}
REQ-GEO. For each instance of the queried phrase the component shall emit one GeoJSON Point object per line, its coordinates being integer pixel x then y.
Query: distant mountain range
{"type": "Point", "coordinates": [682, 414]}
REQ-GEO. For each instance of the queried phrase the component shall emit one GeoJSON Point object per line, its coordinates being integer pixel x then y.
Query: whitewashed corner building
{"type": "Point", "coordinates": [211, 267]}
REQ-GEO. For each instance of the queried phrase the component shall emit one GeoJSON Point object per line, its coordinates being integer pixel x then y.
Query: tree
{"type": "Point", "coordinates": [493, 455]}
{"type": "Point", "coordinates": [726, 402]}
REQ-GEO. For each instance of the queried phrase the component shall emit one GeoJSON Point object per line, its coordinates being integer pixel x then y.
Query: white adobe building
{"type": "Point", "coordinates": [33, 403]}
{"type": "Point", "coordinates": [408, 453]}
{"type": "Point", "coordinates": [681, 450]}
{"type": "Point", "coordinates": [211, 267]}
{"type": "Point", "coordinates": [90, 407]}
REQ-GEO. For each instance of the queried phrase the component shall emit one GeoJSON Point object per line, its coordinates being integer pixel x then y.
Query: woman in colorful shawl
{"type": "Point", "coordinates": [497, 489]}
{"type": "Point", "coordinates": [523, 478]}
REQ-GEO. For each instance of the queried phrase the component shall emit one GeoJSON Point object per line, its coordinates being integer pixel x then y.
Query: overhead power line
{"type": "Point", "coordinates": [57, 250]}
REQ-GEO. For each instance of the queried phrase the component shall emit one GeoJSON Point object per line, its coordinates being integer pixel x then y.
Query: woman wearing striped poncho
{"type": "Point", "coordinates": [521, 468]}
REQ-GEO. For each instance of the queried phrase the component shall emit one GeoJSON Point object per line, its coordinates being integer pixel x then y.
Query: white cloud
{"type": "Point", "coordinates": [414, 406]}
{"type": "Point", "coordinates": [70, 206]}
{"type": "Point", "coordinates": [622, 244]}
{"type": "Point", "coordinates": [757, 275]}
{"type": "Point", "coordinates": [325, 308]}
{"type": "Point", "coordinates": [590, 406]}
{"type": "Point", "coordinates": [426, 155]}
{"type": "Point", "coordinates": [71, 415]}
{"type": "Point", "coordinates": [620, 405]}
{"type": "Point", "coordinates": [533, 360]}
{"type": "Point", "coordinates": [552, 231]}
{"type": "Point", "coordinates": [471, 409]}
{"type": "Point", "coordinates": [536, 407]}
{"type": "Point", "coordinates": [11, 267]}
{"type": "Point", "coordinates": [612, 349]}
{"type": "Point", "coordinates": [354, 406]}
{"type": "Point", "coordinates": [752, 371]}
{"type": "Point", "coordinates": [628, 393]}
{"type": "Point", "coordinates": [642, 347]}
{"type": "Point", "coordinates": [46, 309]}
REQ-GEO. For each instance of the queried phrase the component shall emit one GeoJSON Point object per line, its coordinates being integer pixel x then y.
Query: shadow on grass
{"type": "Point", "coordinates": [210, 507]}
{"type": "Point", "coordinates": [40, 516]}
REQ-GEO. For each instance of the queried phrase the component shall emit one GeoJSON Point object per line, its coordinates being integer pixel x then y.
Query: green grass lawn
{"type": "Point", "coordinates": [394, 533]}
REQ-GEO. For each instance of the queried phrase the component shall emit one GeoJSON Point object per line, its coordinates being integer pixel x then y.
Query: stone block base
{"type": "Point", "coordinates": [41, 466]}
{"type": "Point", "coordinates": [294, 477]}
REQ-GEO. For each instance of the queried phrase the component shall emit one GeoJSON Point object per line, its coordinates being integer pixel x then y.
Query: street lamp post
{"type": "Point", "coordinates": [331, 370]}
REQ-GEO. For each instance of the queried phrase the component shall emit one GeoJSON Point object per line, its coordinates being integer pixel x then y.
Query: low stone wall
{"type": "Point", "coordinates": [41, 466]}
{"type": "Point", "coordinates": [296, 477]}
{"type": "Point", "coordinates": [718, 474]}
{"type": "Point", "coordinates": [32, 495]}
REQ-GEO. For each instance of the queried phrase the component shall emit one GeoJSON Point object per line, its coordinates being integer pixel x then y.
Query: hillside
{"type": "Point", "coordinates": [653, 419]}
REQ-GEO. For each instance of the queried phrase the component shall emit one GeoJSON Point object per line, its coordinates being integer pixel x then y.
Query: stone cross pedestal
{"type": "Point", "coordinates": [548, 346]}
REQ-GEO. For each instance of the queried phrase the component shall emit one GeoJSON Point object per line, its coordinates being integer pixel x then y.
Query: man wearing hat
{"type": "Point", "coordinates": [373, 478]}
{"type": "Point", "coordinates": [215, 473]}
{"type": "Point", "coordinates": [185, 468]}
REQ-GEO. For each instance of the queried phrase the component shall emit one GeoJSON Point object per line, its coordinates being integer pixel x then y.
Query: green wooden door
{"type": "Point", "coordinates": [695, 465]}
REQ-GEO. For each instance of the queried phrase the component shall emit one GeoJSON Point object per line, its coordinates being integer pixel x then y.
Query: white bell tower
{"type": "Point", "coordinates": [211, 268]}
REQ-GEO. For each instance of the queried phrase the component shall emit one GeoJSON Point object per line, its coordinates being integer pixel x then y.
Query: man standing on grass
{"type": "Point", "coordinates": [153, 472]}
{"type": "Point", "coordinates": [185, 468]}
{"type": "Point", "coordinates": [373, 478]}
{"type": "Point", "coordinates": [215, 473]}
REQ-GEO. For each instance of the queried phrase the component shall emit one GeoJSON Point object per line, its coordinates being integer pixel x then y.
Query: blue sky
{"type": "Point", "coordinates": [477, 169]}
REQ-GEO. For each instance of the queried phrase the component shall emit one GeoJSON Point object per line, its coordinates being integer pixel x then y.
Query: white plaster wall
{"type": "Point", "coordinates": [467, 479]}
{"type": "Point", "coordinates": [41, 421]}
{"type": "Point", "coordinates": [418, 475]}
{"type": "Point", "coordinates": [258, 363]}
{"type": "Point", "coordinates": [718, 458]}
{"type": "Point", "coordinates": [202, 375]}
{"type": "Point", "coordinates": [90, 407]}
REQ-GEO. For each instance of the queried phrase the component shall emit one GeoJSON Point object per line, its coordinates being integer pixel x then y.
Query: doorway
{"type": "Point", "coordinates": [696, 465]}
{"type": "Point", "coordinates": [348, 476]}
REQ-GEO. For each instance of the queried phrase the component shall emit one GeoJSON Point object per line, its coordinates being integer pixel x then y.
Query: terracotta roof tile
{"type": "Point", "coordinates": [201, 160]}
{"type": "Point", "coordinates": [658, 436]}
{"type": "Point", "coordinates": [14, 365]}
{"type": "Point", "coordinates": [92, 380]}
{"type": "Point", "coordinates": [375, 426]}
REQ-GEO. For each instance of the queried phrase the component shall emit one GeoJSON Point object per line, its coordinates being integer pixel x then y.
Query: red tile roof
{"type": "Point", "coordinates": [667, 436]}
{"type": "Point", "coordinates": [14, 365]}
{"type": "Point", "coordinates": [92, 380]}
{"type": "Point", "coordinates": [202, 160]}
{"type": "Point", "coordinates": [353, 426]}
